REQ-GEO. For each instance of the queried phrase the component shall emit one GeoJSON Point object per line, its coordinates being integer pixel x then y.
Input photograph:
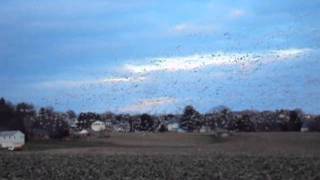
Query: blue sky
{"type": "Point", "coordinates": [158, 56]}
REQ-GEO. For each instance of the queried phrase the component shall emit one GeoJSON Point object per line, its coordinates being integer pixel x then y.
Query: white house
{"type": "Point", "coordinates": [108, 123]}
{"type": "Point", "coordinates": [83, 132]}
{"type": "Point", "coordinates": [118, 128]}
{"type": "Point", "coordinates": [98, 126]}
{"type": "Point", "coordinates": [12, 139]}
{"type": "Point", "coordinates": [173, 127]}
{"type": "Point", "coordinates": [204, 129]}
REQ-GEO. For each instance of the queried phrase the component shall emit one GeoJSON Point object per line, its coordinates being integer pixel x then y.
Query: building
{"type": "Point", "coordinates": [12, 139]}
{"type": "Point", "coordinates": [310, 125]}
{"type": "Point", "coordinates": [205, 129]}
{"type": "Point", "coordinates": [108, 123]}
{"type": "Point", "coordinates": [83, 132]}
{"type": "Point", "coordinates": [121, 127]}
{"type": "Point", "coordinates": [175, 127]}
{"type": "Point", "coordinates": [98, 126]}
{"type": "Point", "coordinates": [118, 128]}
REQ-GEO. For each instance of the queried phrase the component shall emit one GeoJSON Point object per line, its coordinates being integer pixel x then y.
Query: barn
{"type": "Point", "coordinates": [12, 139]}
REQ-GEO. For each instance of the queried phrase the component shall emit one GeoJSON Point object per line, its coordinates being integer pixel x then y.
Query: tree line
{"type": "Point", "coordinates": [47, 122]}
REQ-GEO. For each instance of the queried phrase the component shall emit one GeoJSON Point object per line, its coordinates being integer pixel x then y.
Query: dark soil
{"type": "Point", "coordinates": [169, 156]}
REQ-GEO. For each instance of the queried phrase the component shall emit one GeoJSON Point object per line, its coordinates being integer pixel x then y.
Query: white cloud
{"type": "Point", "coordinates": [199, 61]}
{"type": "Point", "coordinates": [148, 105]}
{"type": "Point", "coordinates": [79, 83]}
{"type": "Point", "coordinates": [290, 53]}
{"type": "Point", "coordinates": [123, 80]}
{"type": "Point", "coordinates": [191, 29]}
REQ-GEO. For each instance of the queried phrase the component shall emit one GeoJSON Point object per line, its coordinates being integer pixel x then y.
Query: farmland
{"type": "Point", "coordinates": [169, 156]}
{"type": "Point", "coordinates": [280, 143]}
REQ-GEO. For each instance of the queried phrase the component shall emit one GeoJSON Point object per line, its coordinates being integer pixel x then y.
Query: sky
{"type": "Point", "coordinates": [159, 56]}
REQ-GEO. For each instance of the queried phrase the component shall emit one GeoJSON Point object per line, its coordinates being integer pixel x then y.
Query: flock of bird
{"type": "Point", "coordinates": [87, 95]}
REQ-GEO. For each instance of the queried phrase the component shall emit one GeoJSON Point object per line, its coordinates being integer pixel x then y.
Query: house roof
{"type": "Point", "coordinates": [8, 133]}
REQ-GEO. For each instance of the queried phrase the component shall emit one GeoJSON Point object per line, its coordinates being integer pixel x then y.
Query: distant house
{"type": "Point", "coordinates": [180, 130]}
{"type": "Point", "coordinates": [310, 125]}
{"type": "Point", "coordinates": [175, 127]}
{"type": "Point", "coordinates": [98, 126]}
{"type": "Point", "coordinates": [83, 132]}
{"type": "Point", "coordinates": [117, 128]}
{"type": "Point", "coordinates": [108, 123]}
{"type": "Point", "coordinates": [205, 129]}
{"type": "Point", "coordinates": [12, 139]}
{"type": "Point", "coordinates": [121, 127]}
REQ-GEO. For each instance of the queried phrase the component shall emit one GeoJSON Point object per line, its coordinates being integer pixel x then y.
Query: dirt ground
{"type": "Point", "coordinates": [168, 156]}
{"type": "Point", "coordinates": [282, 143]}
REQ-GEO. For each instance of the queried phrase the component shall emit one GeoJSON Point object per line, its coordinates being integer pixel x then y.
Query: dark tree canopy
{"type": "Point", "coordinates": [45, 120]}
{"type": "Point", "coordinates": [71, 114]}
{"type": "Point", "coordinates": [86, 119]}
{"type": "Point", "coordinates": [191, 118]}
{"type": "Point", "coordinates": [146, 123]}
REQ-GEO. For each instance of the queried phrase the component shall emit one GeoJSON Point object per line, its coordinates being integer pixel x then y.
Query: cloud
{"type": "Point", "coordinates": [148, 105]}
{"type": "Point", "coordinates": [191, 29]}
{"type": "Point", "coordinates": [290, 53]}
{"type": "Point", "coordinates": [80, 83]}
{"type": "Point", "coordinates": [199, 61]}
{"type": "Point", "coordinates": [123, 80]}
